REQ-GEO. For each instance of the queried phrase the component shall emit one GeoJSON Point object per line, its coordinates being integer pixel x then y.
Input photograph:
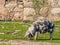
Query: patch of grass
{"type": "Point", "coordinates": [5, 44]}
{"type": "Point", "coordinates": [56, 22]}
{"type": "Point", "coordinates": [11, 27]}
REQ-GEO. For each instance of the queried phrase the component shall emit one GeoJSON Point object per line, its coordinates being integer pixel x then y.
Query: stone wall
{"type": "Point", "coordinates": [23, 10]}
{"type": "Point", "coordinates": [18, 10]}
{"type": "Point", "coordinates": [2, 2]}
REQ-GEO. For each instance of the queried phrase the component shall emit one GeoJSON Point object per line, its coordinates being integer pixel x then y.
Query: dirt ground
{"type": "Point", "coordinates": [23, 42]}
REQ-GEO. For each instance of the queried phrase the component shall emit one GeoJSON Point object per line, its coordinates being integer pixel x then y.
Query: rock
{"type": "Point", "coordinates": [2, 2]}
{"type": "Point", "coordinates": [18, 9]}
{"type": "Point", "coordinates": [28, 13]}
{"type": "Point", "coordinates": [24, 10]}
{"type": "Point", "coordinates": [55, 10]}
{"type": "Point", "coordinates": [53, 3]}
{"type": "Point", "coordinates": [3, 11]}
{"type": "Point", "coordinates": [54, 17]}
{"type": "Point", "coordinates": [44, 11]}
{"type": "Point", "coordinates": [27, 0]}
{"type": "Point", "coordinates": [18, 15]}
{"type": "Point", "coordinates": [54, 14]}
{"type": "Point", "coordinates": [20, 6]}
{"type": "Point", "coordinates": [11, 4]}
{"type": "Point", "coordinates": [58, 2]}
{"type": "Point", "coordinates": [41, 18]}
{"type": "Point", "coordinates": [28, 19]}
{"type": "Point", "coordinates": [28, 4]}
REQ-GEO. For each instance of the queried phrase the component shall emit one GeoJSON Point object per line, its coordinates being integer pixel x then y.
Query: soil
{"type": "Point", "coordinates": [24, 42]}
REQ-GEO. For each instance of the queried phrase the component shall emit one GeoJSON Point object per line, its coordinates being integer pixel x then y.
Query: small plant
{"type": "Point", "coordinates": [38, 4]}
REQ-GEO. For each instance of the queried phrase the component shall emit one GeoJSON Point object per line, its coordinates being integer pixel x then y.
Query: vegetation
{"type": "Point", "coordinates": [38, 4]}
{"type": "Point", "coordinates": [5, 44]}
{"type": "Point", "coordinates": [8, 28]}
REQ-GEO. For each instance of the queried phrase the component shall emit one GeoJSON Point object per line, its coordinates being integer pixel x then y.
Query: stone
{"type": "Point", "coordinates": [18, 9]}
{"type": "Point", "coordinates": [58, 2]}
{"type": "Point", "coordinates": [55, 10]}
{"type": "Point", "coordinates": [11, 5]}
{"type": "Point", "coordinates": [28, 13]}
{"type": "Point", "coordinates": [44, 11]}
{"type": "Point", "coordinates": [24, 10]}
{"type": "Point", "coordinates": [28, 4]}
{"type": "Point", "coordinates": [53, 17]}
{"type": "Point", "coordinates": [18, 16]}
{"type": "Point", "coordinates": [2, 3]}
{"type": "Point", "coordinates": [20, 6]}
{"type": "Point", "coordinates": [3, 10]}
{"type": "Point", "coordinates": [3, 13]}
{"type": "Point", "coordinates": [27, 0]}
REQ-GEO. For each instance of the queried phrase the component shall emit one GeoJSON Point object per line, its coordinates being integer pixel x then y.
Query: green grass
{"type": "Point", "coordinates": [5, 44]}
{"type": "Point", "coordinates": [11, 27]}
